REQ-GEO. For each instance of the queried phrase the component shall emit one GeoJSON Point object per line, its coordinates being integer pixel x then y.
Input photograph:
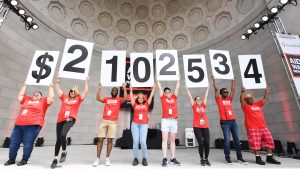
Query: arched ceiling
{"type": "Point", "coordinates": [145, 25]}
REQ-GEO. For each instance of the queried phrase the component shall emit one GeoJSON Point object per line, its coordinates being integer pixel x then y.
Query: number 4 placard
{"type": "Point", "coordinates": [252, 71]}
{"type": "Point", "coordinates": [76, 59]}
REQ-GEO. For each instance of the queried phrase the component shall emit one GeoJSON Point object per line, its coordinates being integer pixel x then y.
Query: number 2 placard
{"type": "Point", "coordinates": [221, 64]}
{"type": "Point", "coordinates": [113, 67]}
{"type": "Point", "coordinates": [252, 72]}
{"type": "Point", "coordinates": [167, 65]}
{"type": "Point", "coordinates": [75, 63]}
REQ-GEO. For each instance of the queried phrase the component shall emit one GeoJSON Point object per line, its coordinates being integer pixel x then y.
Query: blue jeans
{"type": "Point", "coordinates": [227, 127]}
{"type": "Point", "coordinates": [25, 135]}
{"type": "Point", "coordinates": [139, 135]}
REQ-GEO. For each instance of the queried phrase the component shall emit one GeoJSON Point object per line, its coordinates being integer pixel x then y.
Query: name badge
{"type": "Point", "coordinates": [108, 112]}
{"type": "Point", "coordinates": [140, 116]}
{"type": "Point", "coordinates": [170, 111]}
{"type": "Point", "coordinates": [24, 112]}
{"type": "Point", "coordinates": [67, 113]}
{"type": "Point", "coordinates": [229, 113]}
{"type": "Point", "coordinates": [202, 122]}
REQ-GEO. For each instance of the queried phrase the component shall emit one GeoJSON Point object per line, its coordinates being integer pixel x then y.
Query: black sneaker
{"type": "Point", "coordinates": [271, 160]}
{"type": "Point", "coordinates": [10, 162]}
{"type": "Point", "coordinates": [135, 162]}
{"type": "Point", "coordinates": [259, 161]}
{"type": "Point", "coordinates": [54, 163]}
{"type": "Point", "coordinates": [203, 162]}
{"type": "Point", "coordinates": [228, 161]}
{"type": "Point", "coordinates": [242, 161]}
{"type": "Point", "coordinates": [174, 162]}
{"type": "Point", "coordinates": [144, 162]}
{"type": "Point", "coordinates": [63, 157]}
{"type": "Point", "coordinates": [22, 162]}
{"type": "Point", "coordinates": [164, 162]}
{"type": "Point", "coordinates": [207, 162]}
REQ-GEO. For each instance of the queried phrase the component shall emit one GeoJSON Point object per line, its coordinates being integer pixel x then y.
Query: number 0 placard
{"type": "Point", "coordinates": [113, 67]}
{"type": "Point", "coordinates": [252, 71]}
{"type": "Point", "coordinates": [141, 69]}
{"type": "Point", "coordinates": [75, 63]}
{"type": "Point", "coordinates": [221, 64]}
{"type": "Point", "coordinates": [195, 71]}
{"type": "Point", "coordinates": [167, 65]}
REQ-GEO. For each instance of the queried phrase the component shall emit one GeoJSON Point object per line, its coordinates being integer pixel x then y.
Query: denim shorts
{"type": "Point", "coordinates": [169, 125]}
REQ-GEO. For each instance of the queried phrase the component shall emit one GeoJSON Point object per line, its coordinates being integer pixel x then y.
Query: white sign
{"type": "Point", "coordinates": [42, 68]}
{"type": "Point", "coordinates": [113, 64]}
{"type": "Point", "coordinates": [252, 72]}
{"type": "Point", "coordinates": [167, 65]}
{"type": "Point", "coordinates": [221, 64]}
{"type": "Point", "coordinates": [76, 59]}
{"type": "Point", "coordinates": [195, 71]}
{"type": "Point", "coordinates": [141, 65]}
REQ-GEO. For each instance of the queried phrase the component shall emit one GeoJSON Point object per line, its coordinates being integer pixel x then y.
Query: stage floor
{"type": "Point", "coordinates": [82, 156]}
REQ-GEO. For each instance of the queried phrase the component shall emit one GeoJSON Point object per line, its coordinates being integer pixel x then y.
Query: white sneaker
{"type": "Point", "coordinates": [107, 162]}
{"type": "Point", "coordinates": [96, 162]}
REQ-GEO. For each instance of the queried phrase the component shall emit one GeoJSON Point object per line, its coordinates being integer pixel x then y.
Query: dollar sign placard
{"type": "Point", "coordinates": [42, 68]}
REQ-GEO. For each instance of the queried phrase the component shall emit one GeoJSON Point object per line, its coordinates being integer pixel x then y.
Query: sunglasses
{"type": "Point", "coordinates": [72, 91]}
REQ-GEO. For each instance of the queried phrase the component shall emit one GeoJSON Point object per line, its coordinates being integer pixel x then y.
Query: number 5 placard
{"type": "Point", "coordinates": [75, 63]}
{"type": "Point", "coordinates": [113, 67]}
{"type": "Point", "coordinates": [252, 71]}
{"type": "Point", "coordinates": [195, 71]}
{"type": "Point", "coordinates": [141, 69]}
{"type": "Point", "coordinates": [167, 65]}
{"type": "Point", "coordinates": [221, 64]}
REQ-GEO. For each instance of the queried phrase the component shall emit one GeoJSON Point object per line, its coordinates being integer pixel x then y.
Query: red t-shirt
{"type": "Point", "coordinates": [140, 113]}
{"type": "Point", "coordinates": [69, 108]}
{"type": "Point", "coordinates": [225, 108]}
{"type": "Point", "coordinates": [254, 115]}
{"type": "Point", "coordinates": [200, 118]}
{"type": "Point", "coordinates": [112, 108]}
{"type": "Point", "coordinates": [32, 112]}
{"type": "Point", "coordinates": [169, 106]}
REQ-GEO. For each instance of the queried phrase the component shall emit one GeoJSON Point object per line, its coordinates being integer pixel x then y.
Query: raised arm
{"type": "Point", "coordinates": [206, 94]}
{"type": "Point", "coordinates": [151, 94]}
{"type": "Point", "coordinates": [232, 92]}
{"type": "Point", "coordinates": [50, 97]}
{"type": "Point", "coordinates": [86, 88]}
{"type": "Point", "coordinates": [159, 88]}
{"type": "Point", "coordinates": [22, 93]}
{"type": "Point", "coordinates": [242, 97]}
{"type": "Point", "coordinates": [217, 94]}
{"type": "Point", "coordinates": [177, 88]}
{"type": "Point", "coordinates": [131, 96]}
{"type": "Point", "coordinates": [98, 97]}
{"type": "Point", "coordinates": [59, 92]}
{"type": "Point", "coordinates": [267, 93]}
{"type": "Point", "coordinates": [190, 96]}
{"type": "Point", "coordinates": [125, 92]}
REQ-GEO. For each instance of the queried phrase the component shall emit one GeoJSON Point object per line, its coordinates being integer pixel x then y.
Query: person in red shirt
{"type": "Point", "coordinates": [200, 125]}
{"type": "Point", "coordinates": [29, 123]}
{"type": "Point", "coordinates": [169, 121]}
{"type": "Point", "coordinates": [227, 121]}
{"type": "Point", "coordinates": [257, 131]}
{"type": "Point", "coordinates": [67, 117]}
{"type": "Point", "coordinates": [139, 125]}
{"type": "Point", "coordinates": [108, 126]}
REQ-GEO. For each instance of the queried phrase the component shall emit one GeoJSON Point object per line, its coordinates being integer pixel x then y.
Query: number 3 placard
{"type": "Point", "coordinates": [113, 67]}
{"type": "Point", "coordinates": [167, 65]}
{"type": "Point", "coordinates": [195, 71]}
{"type": "Point", "coordinates": [252, 71]}
{"type": "Point", "coordinates": [75, 63]}
{"type": "Point", "coordinates": [221, 64]}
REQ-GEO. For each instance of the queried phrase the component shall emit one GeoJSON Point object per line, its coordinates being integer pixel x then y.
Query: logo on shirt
{"type": "Point", "coordinates": [170, 101]}
{"type": "Point", "coordinates": [33, 102]}
{"type": "Point", "coordinates": [67, 101]}
{"type": "Point", "coordinates": [140, 107]}
{"type": "Point", "coordinates": [255, 108]}
{"type": "Point", "coordinates": [199, 110]}
{"type": "Point", "coordinates": [112, 101]}
{"type": "Point", "coordinates": [226, 102]}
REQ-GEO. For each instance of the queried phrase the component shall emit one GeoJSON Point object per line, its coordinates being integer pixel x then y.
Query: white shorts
{"type": "Point", "coordinates": [169, 125]}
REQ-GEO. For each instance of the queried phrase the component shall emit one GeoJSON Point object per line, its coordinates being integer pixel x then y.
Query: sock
{"type": "Point", "coordinates": [269, 154]}
{"type": "Point", "coordinates": [257, 155]}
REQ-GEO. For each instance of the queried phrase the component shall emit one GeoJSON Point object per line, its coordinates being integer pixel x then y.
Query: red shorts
{"type": "Point", "coordinates": [258, 138]}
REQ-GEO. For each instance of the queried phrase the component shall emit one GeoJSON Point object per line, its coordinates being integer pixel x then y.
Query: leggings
{"type": "Point", "coordinates": [202, 136]}
{"type": "Point", "coordinates": [62, 129]}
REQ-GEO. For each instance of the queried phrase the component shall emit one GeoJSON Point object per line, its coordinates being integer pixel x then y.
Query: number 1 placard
{"type": "Point", "coordinates": [113, 64]}
{"type": "Point", "coordinates": [75, 63]}
{"type": "Point", "coordinates": [167, 65]}
{"type": "Point", "coordinates": [252, 71]}
{"type": "Point", "coordinates": [141, 69]}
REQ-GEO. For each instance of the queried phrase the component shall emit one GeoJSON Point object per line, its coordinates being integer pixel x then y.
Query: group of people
{"type": "Point", "coordinates": [33, 110]}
